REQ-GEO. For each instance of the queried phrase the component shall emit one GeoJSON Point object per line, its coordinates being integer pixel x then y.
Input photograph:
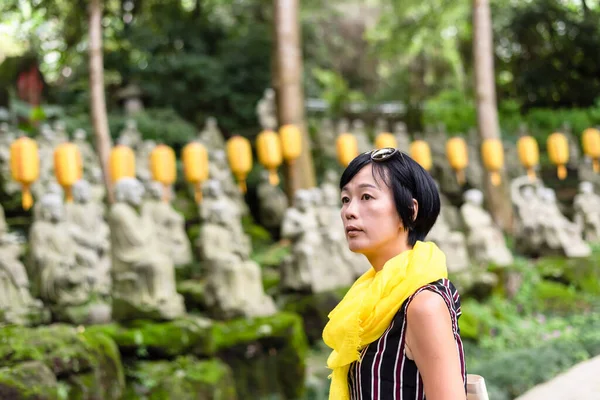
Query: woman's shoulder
{"type": "Point", "coordinates": [435, 294]}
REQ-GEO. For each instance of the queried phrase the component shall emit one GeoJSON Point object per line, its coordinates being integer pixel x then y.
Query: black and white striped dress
{"type": "Point", "coordinates": [385, 372]}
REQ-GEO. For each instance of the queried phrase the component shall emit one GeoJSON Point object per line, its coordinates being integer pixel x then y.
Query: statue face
{"type": "Point", "coordinates": [474, 197]}
{"type": "Point", "coordinates": [47, 133]}
{"type": "Point", "coordinates": [80, 135]}
{"type": "Point", "coordinates": [303, 200]}
{"type": "Point", "coordinates": [82, 191]}
{"type": "Point", "coordinates": [52, 207]}
{"type": "Point", "coordinates": [155, 190]}
{"type": "Point", "coordinates": [586, 187]}
{"type": "Point", "coordinates": [131, 124]}
{"type": "Point", "coordinates": [317, 197]}
{"type": "Point", "coordinates": [528, 193]}
{"type": "Point", "coordinates": [135, 193]}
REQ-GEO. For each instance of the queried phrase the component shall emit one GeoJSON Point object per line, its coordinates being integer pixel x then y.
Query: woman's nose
{"type": "Point", "coordinates": [349, 211]}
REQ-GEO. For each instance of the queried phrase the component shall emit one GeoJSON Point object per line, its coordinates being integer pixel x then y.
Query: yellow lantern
{"type": "Point", "coordinates": [493, 158]}
{"type": "Point", "coordinates": [458, 157]}
{"type": "Point", "coordinates": [291, 142]}
{"type": "Point", "coordinates": [67, 167]}
{"type": "Point", "coordinates": [529, 154]}
{"type": "Point", "coordinates": [25, 166]}
{"type": "Point", "coordinates": [385, 139]}
{"type": "Point", "coordinates": [421, 153]}
{"type": "Point", "coordinates": [590, 139]}
{"type": "Point", "coordinates": [558, 151]}
{"type": "Point", "coordinates": [121, 163]}
{"type": "Point", "coordinates": [195, 166]}
{"type": "Point", "coordinates": [239, 154]}
{"type": "Point", "coordinates": [268, 147]}
{"type": "Point", "coordinates": [347, 148]}
{"type": "Point", "coordinates": [163, 167]}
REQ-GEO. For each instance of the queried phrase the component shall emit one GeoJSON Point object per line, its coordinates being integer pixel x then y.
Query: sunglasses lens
{"type": "Point", "coordinates": [383, 154]}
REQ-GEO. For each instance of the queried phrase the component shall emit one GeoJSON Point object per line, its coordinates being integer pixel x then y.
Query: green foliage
{"type": "Point", "coordinates": [452, 108]}
{"type": "Point", "coordinates": [335, 91]}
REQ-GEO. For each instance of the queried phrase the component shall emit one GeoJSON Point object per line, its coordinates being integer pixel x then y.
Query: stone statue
{"type": "Point", "coordinates": [574, 153]}
{"type": "Point", "coordinates": [6, 138]}
{"type": "Point", "coordinates": [169, 225]}
{"type": "Point", "coordinates": [587, 212]}
{"type": "Point", "coordinates": [211, 136]}
{"type": "Point", "coordinates": [46, 141]}
{"type": "Point", "coordinates": [61, 272]}
{"type": "Point", "coordinates": [485, 240]}
{"type": "Point", "coordinates": [540, 227]}
{"type": "Point", "coordinates": [266, 110]}
{"type": "Point", "coordinates": [142, 160]}
{"type": "Point", "coordinates": [143, 276]}
{"type": "Point", "coordinates": [130, 135]}
{"type": "Point", "coordinates": [308, 268]}
{"type": "Point", "coordinates": [475, 173]}
{"type": "Point", "coordinates": [272, 204]}
{"type": "Point", "coordinates": [402, 136]}
{"type": "Point", "coordinates": [60, 130]}
{"type": "Point", "coordinates": [233, 283]}
{"type": "Point", "coordinates": [381, 125]}
{"type": "Point", "coordinates": [452, 243]}
{"type": "Point", "coordinates": [326, 138]}
{"type": "Point", "coordinates": [88, 155]}
{"type": "Point", "coordinates": [343, 126]}
{"type": "Point", "coordinates": [16, 304]}
{"type": "Point", "coordinates": [90, 232]}
{"type": "Point", "coordinates": [359, 131]}
{"type": "Point", "coordinates": [219, 169]}
{"type": "Point", "coordinates": [451, 213]}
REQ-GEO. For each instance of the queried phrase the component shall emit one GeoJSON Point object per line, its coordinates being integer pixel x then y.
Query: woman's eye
{"type": "Point", "coordinates": [367, 196]}
{"type": "Point", "coordinates": [345, 200]}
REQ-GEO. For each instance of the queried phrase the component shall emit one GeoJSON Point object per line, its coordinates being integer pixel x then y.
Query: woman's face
{"type": "Point", "coordinates": [371, 221]}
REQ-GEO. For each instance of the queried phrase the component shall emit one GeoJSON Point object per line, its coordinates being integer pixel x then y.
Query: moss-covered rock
{"type": "Point", "coordinates": [583, 273]}
{"type": "Point", "coordinates": [314, 309]}
{"type": "Point", "coordinates": [28, 380]}
{"type": "Point", "coordinates": [185, 378]}
{"type": "Point", "coordinates": [84, 362]}
{"type": "Point", "coordinates": [144, 339]}
{"type": "Point", "coordinates": [267, 355]}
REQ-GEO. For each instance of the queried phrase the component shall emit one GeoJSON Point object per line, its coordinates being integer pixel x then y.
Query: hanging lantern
{"type": "Point", "coordinates": [529, 154]}
{"type": "Point", "coordinates": [385, 139]}
{"type": "Point", "coordinates": [558, 151]}
{"type": "Point", "coordinates": [163, 167]}
{"type": "Point", "coordinates": [67, 167]}
{"type": "Point", "coordinates": [421, 153]}
{"type": "Point", "coordinates": [493, 158]}
{"type": "Point", "coordinates": [291, 142]}
{"type": "Point", "coordinates": [121, 163]}
{"type": "Point", "coordinates": [195, 166]}
{"type": "Point", "coordinates": [458, 157]}
{"type": "Point", "coordinates": [239, 154]}
{"type": "Point", "coordinates": [347, 148]}
{"type": "Point", "coordinates": [268, 148]}
{"type": "Point", "coordinates": [590, 139]}
{"type": "Point", "coordinates": [25, 166]}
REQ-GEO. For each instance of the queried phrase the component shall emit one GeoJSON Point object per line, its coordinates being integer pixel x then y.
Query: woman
{"type": "Point", "coordinates": [395, 334]}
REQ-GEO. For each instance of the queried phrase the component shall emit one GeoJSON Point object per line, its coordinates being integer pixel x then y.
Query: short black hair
{"type": "Point", "coordinates": [408, 181]}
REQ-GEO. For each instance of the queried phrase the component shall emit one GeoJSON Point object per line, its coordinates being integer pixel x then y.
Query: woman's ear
{"type": "Point", "coordinates": [415, 209]}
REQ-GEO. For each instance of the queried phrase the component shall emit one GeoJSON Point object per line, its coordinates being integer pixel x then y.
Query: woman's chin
{"type": "Point", "coordinates": [356, 247]}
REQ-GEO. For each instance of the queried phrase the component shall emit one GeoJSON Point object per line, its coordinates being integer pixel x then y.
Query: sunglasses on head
{"type": "Point", "coordinates": [383, 154]}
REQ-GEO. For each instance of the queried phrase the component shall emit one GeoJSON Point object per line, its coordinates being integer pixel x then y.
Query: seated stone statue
{"type": "Point", "coordinates": [452, 243]}
{"type": "Point", "coordinates": [484, 239]}
{"type": "Point", "coordinates": [587, 212]}
{"type": "Point", "coordinates": [211, 135]}
{"type": "Point", "coordinates": [272, 204]}
{"type": "Point", "coordinates": [219, 170]}
{"type": "Point", "coordinates": [16, 304]}
{"type": "Point", "coordinates": [560, 233]}
{"type": "Point", "coordinates": [529, 236]}
{"type": "Point", "coordinates": [91, 233]}
{"type": "Point", "coordinates": [213, 194]}
{"type": "Point", "coordinates": [309, 267]}
{"type": "Point", "coordinates": [59, 270]}
{"type": "Point", "coordinates": [169, 225]}
{"type": "Point", "coordinates": [143, 276]}
{"type": "Point", "coordinates": [359, 131]}
{"type": "Point", "coordinates": [233, 284]}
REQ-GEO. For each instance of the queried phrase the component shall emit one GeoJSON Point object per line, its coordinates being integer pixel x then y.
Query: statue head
{"type": "Point", "coordinates": [528, 192]}
{"type": "Point", "coordinates": [399, 127]}
{"type": "Point", "coordinates": [131, 124]}
{"type": "Point", "coordinates": [212, 189]}
{"type": "Point", "coordinates": [303, 200]}
{"type": "Point", "coordinates": [219, 157]}
{"type": "Point", "coordinates": [47, 132]}
{"type": "Point", "coordinates": [331, 177]}
{"type": "Point", "coordinates": [343, 126]}
{"type": "Point", "coordinates": [474, 197]}
{"type": "Point", "coordinates": [52, 208]}
{"type": "Point", "coordinates": [547, 195]}
{"type": "Point", "coordinates": [155, 190]}
{"type": "Point", "coordinates": [586, 187]}
{"type": "Point", "coordinates": [317, 196]}
{"type": "Point", "coordinates": [129, 190]}
{"type": "Point", "coordinates": [211, 123]}
{"type": "Point", "coordinates": [60, 126]}
{"type": "Point", "coordinates": [80, 135]}
{"type": "Point", "coordinates": [269, 94]}
{"type": "Point", "coordinates": [82, 191]}
{"type": "Point", "coordinates": [358, 124]}
{"type": "Point", "coordinates": [217, 214]}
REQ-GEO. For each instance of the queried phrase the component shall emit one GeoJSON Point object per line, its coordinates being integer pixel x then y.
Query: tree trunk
{"type": "Point", "coordinates": [497, 197]}
{"type": "Point", "coordinates": [288, 87]}
{"type": "Point", "coordinates": [97, 99]}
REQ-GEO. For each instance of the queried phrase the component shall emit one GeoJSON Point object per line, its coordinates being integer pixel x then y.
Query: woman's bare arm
{"type": "Point", "coordinates": [431, 340]}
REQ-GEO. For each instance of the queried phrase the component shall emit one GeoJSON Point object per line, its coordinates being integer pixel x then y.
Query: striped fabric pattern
{"type": "Point", "coordinates": [384, 372]}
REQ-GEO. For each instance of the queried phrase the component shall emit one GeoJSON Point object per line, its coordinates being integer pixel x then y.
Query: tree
{"type": "Point", "coordinates": [97, 99]}
{"type": "Point", "coordinates": [289, 88]}
{"type": "Point", "coordinates": [487, 112]}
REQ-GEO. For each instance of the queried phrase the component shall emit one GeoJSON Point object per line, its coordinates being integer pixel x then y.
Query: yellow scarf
{"type": "Point", "coordinates": [369, 306]}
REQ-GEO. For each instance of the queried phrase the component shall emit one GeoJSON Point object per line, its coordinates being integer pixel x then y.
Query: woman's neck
{"type": "Point", "coordinates": [379, 257]}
